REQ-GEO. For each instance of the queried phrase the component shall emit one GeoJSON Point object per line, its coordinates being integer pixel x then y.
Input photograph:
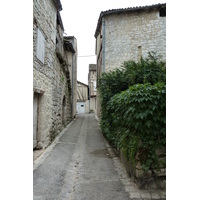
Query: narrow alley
{"type": "Point", "coordinates": [80, 165]}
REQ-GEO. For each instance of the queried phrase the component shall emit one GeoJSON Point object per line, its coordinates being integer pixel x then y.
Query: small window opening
{"type": "Point", "coordinates": [63, 111]}
{"type": "Point", "coordinates": [162, 12]}
{"type": "Point", "coordinates": [139, 53]}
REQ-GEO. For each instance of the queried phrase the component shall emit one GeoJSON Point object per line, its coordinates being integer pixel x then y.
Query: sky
{"type": "Point", "coordinates": [80, 20]}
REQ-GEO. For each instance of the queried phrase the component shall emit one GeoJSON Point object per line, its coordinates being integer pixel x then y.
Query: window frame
{"type": "Point", "coordinates": [40, 45]}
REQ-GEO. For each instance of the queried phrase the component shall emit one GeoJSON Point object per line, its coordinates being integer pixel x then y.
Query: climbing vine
{"type": "Point", "coordinates": [133, 104]}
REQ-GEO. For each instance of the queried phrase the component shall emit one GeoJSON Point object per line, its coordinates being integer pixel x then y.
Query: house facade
{"type": "Point", "coordinates": [52, 76]}
{"type": "Point", "coordinates": [92, 83]}
{"type": "Point", "coordinates": [82, 98]}
{"type": "Point", "coordinates": [128, 34]}
{"type": "Point", "coordinates": [72, 52]}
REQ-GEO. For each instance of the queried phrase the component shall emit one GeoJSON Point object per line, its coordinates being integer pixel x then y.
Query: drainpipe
{"type": "Point", "coordinates": [89, 91]}
{"type": "Point", "coordinates": [73, 82]}
{"type": "Point", "coordinates": [103, 45]}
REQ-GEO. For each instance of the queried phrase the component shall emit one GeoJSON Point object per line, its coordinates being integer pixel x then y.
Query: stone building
{"type": "Point", "coordinates": [82, 98]}
{"type": "Point", "coordinates": [54, 73]}
{"type": "Point", "coordinates": [128, 34]}
{"type": "Point", "coordinates": [71, 44]}
{"type": "Point", "coordinates": [92, 83]}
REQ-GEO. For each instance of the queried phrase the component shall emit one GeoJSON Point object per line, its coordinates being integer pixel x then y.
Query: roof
{"type": "Point", "coordinates": [92, 67]}
{"type": "Point", "coordinates": [125, 10]}
{"type": "Point", "coordinates": [59, 20]}
{"type": "Point", "coordinates": [58, 5]}
{"type": "Point", "coordinates": [68, 45]}
{"type": "Point", "coordinates": [82, 83]}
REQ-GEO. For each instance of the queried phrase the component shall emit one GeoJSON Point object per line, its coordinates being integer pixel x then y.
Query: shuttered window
{"type": "Point", "coordinates": [40, 45]}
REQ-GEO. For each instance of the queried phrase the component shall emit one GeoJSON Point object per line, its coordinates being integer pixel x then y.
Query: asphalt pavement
{"type": "Point", "coordinates": [80, 165]}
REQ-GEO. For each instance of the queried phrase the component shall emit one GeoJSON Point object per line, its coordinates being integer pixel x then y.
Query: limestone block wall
{"type": "Point", "coordinates": [92, 82]}
{"type": "Point", "coordinates": [127, 35]}
{"type": "Point", "coordinates": [123, 36]}
{"type": "Point", "coordinates": [43, 72]}
{"type": "Point", "coordinates": [61, 99]}
{"type": "Point", "coordinates": [50, 78]}
{"type": "Point", "coordinates": [93, 104]}
{"type": "Point", "coordinates": [87, 106]}
{"type": "Point", "coordinates": [42, 83]}
{"type": "Point", "coordinates": [99, 71]}
{"type": "Point", "coordinates": [72, 65]}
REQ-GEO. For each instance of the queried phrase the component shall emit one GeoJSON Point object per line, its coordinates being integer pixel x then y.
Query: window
{"type": "Point", "coordinates": [162, 12]}
{"type": "Point", "coordinates": [40, 46]}
{"type": "Point", "coordinates": [139, 53]}
{"type": "Point", "coordinates": [95, 85]}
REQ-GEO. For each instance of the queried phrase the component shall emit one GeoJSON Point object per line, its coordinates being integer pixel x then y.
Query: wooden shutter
{"type": "Point", "coordinates": [40, 45]}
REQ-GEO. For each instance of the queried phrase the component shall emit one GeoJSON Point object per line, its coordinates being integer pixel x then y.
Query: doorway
{"type": "Point", "coordinates": [35, 118]}
{"type": "Point", "coordinates": [81, 107]}
{"type": "Point", "coordinates": [63, 111]}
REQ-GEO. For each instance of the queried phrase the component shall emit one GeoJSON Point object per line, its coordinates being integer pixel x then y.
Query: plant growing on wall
{"type": "Point", "coordinates": [139, 117]}
{"type": "Point", "coordinates": [133, 109]}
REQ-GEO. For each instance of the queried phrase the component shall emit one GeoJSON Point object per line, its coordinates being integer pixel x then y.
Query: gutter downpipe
{"type": "Point", "coordinates": [73, 82]}
{"type": "Point", "coordinates": [103, 46]}
{"type": "Point", "coordinates": [89, 89]}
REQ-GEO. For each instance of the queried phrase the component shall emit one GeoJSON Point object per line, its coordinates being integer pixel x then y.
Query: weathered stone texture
{"type": "Point", "coordinates": [92, 83]}
{"type": "Point", "coordinates": [44, 118]}
{"type": "Point", "coordinates": [125, 32]}
{"type": "Point", "coordinates": [72, 63]}
{"type": "Point", "coordinates": [52, 76]}
{"type": "Point", "coordinates": [60, 92]}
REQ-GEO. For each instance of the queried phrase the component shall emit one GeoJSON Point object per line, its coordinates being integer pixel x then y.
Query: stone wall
{"type": "Point", "coordinates": [61, 109]}
{"type": "Point", "coordinates": [72, 66]}
{"type": "Point", "coordinates": [151, 179]}
{"type": "Point", "coordinates": [93, 104]}
{"type": "Point", "coordinates": [92, 79]}
{"type": "Point", "coordinates": [127, 35]}
{"type": "Point", "coordinates": [99, 71]}
{"type": "Point", "coordinates": [51, 78]}
{"type": "Point", "coordinates": [92, 82]}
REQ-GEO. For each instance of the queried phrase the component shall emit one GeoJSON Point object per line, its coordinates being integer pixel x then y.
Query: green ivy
{"type": "Point", "coordinates": [133, 104]}
{"type": "Point", "coordinates": [139, 117]}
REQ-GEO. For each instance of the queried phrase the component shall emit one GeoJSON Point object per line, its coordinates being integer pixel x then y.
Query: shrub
{"type": "Point", "coordinates": [133, 108]}
{"type": "Point", "coordinates": [138, 122]}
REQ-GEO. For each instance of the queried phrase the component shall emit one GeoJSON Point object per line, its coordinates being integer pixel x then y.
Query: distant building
{"type": "Point", "coordinates": [92, 83]}
{"type": "Point", "coordinates": [128, 34]}
{"type": "Point", "coordinates": [72, 52]}
{"type": "Point", "coordinates": [82, 98]}
{"type": "Point", "coordinates": [54, 77]}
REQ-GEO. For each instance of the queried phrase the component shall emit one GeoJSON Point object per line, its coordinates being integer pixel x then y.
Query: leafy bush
{"type": "Point", "coordinates": [133, 108]}
{"type": "Point", "coordinates": [150, 70]}
{"type": "Point", "coordinates": [138, 117]}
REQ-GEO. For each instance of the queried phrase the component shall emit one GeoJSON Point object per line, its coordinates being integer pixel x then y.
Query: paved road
{"type": "Point", "coordinates": [80, 165]}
